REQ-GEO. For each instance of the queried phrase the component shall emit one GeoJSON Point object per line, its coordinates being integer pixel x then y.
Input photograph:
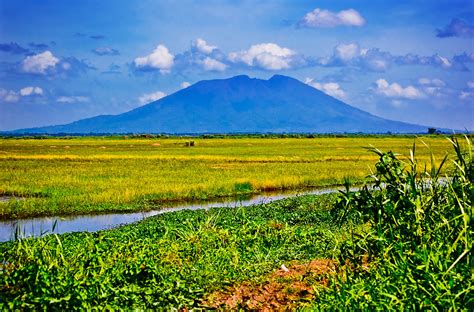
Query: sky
{"type": "Point", "coordinates": [406, 60]}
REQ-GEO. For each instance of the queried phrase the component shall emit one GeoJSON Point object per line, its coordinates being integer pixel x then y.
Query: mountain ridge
{"type": "Point", "coordinates": [239, 104]}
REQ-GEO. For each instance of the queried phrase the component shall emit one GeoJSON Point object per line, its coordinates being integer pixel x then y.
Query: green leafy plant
{"type": "Point", "coordinates": [410, 243]}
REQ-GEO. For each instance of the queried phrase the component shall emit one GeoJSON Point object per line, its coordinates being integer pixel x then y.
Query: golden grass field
{"type": "Point", "coordinates": [65, 176]}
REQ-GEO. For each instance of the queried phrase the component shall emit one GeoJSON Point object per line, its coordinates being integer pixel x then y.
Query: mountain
{"type": "Point", "coordinates": [239, 104]}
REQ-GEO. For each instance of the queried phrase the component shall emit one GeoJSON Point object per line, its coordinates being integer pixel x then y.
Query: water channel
{"type": "Point", "coordinates": [91, 223]}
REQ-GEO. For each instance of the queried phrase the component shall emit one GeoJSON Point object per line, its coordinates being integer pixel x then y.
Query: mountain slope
{"type": "Point", "coordinates": [239, 104]}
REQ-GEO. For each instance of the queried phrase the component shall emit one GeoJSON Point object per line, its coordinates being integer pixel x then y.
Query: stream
{"type": "Point", "coordinates": [91, 223]}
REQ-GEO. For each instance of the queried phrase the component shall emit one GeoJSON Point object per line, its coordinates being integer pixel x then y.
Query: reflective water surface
{"type": "Point", "coordinates": [91, 223]}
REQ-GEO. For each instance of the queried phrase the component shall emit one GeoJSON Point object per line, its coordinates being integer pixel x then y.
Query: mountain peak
{"type": "Point", "coordinates": [281, 78]}
{"type": "Point", "coordinates": [240, 104]}
{"type": "Point", "coordinates": [240, 77]}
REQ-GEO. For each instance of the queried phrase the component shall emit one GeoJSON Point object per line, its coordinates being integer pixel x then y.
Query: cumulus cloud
{"type": "Point", "coordinates": [72, 66]}
{"type": "Point", "coordinates": [184, 84]}
{"type": "Point", "coordinates": [13, 48]}
{"type": "Point", "coordinates": [202, 46]}
{"type": "Point", "coordinates": [211, 64]}
{"type": "Point", "coordinates": [464, 58]}
{"type": "Point", "coordinates": [431, 82]}
{"type": "Point", "coordinates": [457, 28]}
{"type": "Point", "coordinates": [101, 51]}
{"type": "Point", "coordinates": [150, 97]}
{"type": "Point", "coordinates": [11, 96]}
{"type": "Point", "coordinates": [468, 92]}
{"type": "Point", "coordinates": [351, 54]}
{"type": "Point", "coordinates": [160, 59]}
{"type": "Point", "coordinates": [31, 91]}
{"type": "Point", "coordinates": [375, 60]}
{"type": "Point", "coordinates": [201, 56]}
{"type": "Point", "coordinates": [269, 56]}
{"type": "Point", "coordinates": [39, 63]}
{"type": "Point", "coordinates": [72, 99]}
{"type": "Point", "coordinates": [434, 60]}
{"type": "Point", "coordinates": [46, 63]}
{"type": "Point", "coordinates": [465, 95]}
{"type": "Point", "coordinates": [324, 18]}
{"type": "Point", "coordinates": [432, 87]}
{"type": "Point", "coordinates": [330, 88]}
{"type": "Point", "coordinates": [394, 90]}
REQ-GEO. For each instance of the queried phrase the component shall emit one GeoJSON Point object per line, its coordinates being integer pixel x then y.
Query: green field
{"type": "Point", "coordinates": [400, 244]}
{"type": "Point", "coordinates": [66, 176]}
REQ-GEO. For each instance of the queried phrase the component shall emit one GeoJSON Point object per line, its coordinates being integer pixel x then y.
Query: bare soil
{"type": "Point", "coordinates": [281, 290]}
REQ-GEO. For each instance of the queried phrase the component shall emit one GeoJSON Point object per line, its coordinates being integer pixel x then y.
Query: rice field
{"type": "Point", "coordinates": [67, 176]}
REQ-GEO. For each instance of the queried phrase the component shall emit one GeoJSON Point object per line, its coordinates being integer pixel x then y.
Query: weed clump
{"type": "Point", "coordinates": [242, 188]}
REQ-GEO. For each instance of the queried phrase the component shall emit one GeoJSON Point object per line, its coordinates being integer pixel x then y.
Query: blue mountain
{"type": "Point", "coordinates": [239, 105]}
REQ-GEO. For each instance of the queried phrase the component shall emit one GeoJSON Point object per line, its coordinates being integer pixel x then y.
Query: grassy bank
{"type": "Point", "coordinates": [174, 260]}
{"type": "Point", "coordinates": [97, 175]}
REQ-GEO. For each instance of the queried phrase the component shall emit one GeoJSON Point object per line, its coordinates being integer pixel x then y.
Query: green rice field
{"type": "Point", "coordinates": [67, 176]}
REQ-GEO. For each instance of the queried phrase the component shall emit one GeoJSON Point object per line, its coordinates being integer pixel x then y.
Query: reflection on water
{"type": "Point", "coordinates": [91, 223]}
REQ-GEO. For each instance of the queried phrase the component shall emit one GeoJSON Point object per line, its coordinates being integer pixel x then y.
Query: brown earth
{"type": "Point", "coordinates": [280, 291]}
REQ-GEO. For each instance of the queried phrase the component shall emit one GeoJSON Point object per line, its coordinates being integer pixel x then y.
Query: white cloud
{"type": "Point", "coordinates": [211, 64]}
{"type": "Point", "coordinates": [31, 91]}
{"type": "Point", "coordinates": [325, 18]}
{"type": "Point", "coordinates": [352, 54]}
{"type": "Point", "coordinates": [268, 56]}
{"type": "Point", "coordinates": [150, 97]}
{"type": "Point", "coordinates": [9, 96]}
{"type": "Point", "coordinates": [39, 63]}
{"type": "Point", "coordinates": [464, 95]}
{"type": "Point", "coordinates": [202, 46]}
{"type": "Point", "coordinates": [330, 88]}
{"type": "Point", "coordinates": [433, 87]}
{"type": "Point", "coordinates": [444, 62]}
{"type": "Point", "coordinates": [395, 90]}
{"type": "Point", "coordinates": [431, 82]}
{"type": "Point", "coordinates": [72, 99]}
{"type": "Point", "coordinates": [348, 51]}
{"type": "Point", "coordinates": [105, 51]}
{"type": "Point", "coordinates": [160, 59]}
{"type": "Point", "coordinates": [184, 84]}
{"type": "Point", "coordinates": [468, 92]}
{"type": "Point", "coordinates": [373, 59]}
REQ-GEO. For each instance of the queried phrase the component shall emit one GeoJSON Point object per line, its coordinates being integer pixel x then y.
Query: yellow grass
{"type": "Point", "coordinates": [94, 175]}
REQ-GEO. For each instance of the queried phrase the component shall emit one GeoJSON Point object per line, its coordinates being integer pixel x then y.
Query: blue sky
{"type": "Point", "coordinates": [405, 60]}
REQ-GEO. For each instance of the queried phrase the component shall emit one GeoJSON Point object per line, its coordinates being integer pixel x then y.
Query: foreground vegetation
{"type": "Point", "coordinates": [173, 260]}
{"type": "Point", "coordinates": [65, 176]}
{"type": "Point", "coordinates": [415, 251]}
{"type": "Point", "coordinates": [405, 244]}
